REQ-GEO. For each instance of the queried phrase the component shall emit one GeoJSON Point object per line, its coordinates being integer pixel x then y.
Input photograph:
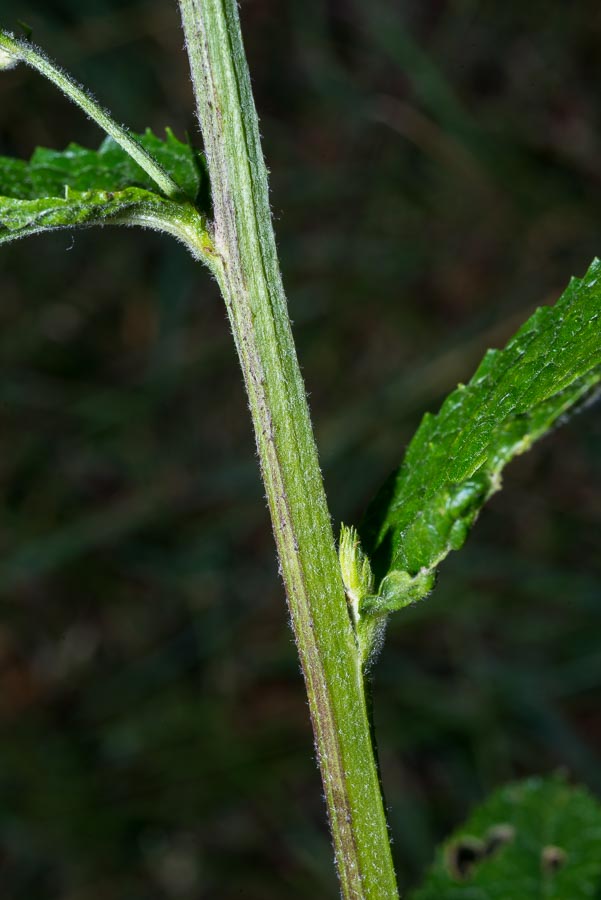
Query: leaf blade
{"type": "Point", "coordinates": [20, 217]}
{"type": "Point", "coordinates": [539, 837]}
{"type": "Point", "coordinates": [107, 168]}
{"type": "Point", "coordinates": [454, 462]}
{"type": "Point", "coordinates": [78, 186]}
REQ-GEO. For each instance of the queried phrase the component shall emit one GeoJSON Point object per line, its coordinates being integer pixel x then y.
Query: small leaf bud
{"type": "Point", "coordinates": [356, 569]}
{"type": "Point", "coordinates": [8, 60]}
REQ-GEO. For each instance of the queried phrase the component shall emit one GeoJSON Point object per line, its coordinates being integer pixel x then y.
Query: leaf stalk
{"type": "Point", "coordinates": [20, 50]}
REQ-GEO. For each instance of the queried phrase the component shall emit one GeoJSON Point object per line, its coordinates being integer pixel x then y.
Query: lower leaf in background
{"type": "Point", "coordinates": [537, 838]}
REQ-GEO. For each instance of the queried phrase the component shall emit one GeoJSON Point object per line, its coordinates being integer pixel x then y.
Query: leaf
{"type": "Point", "coordinates": [454, 462]}
{"type": "Point", "coordinates": [79, 186]}
{"type": "Point", "coordinates": [538, 838]}
{"type": "Point", "coordinates": [108, 169]}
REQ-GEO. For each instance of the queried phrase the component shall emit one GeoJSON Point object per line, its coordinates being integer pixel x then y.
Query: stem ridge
{"type": "Point", "coordinates": [250, 281]}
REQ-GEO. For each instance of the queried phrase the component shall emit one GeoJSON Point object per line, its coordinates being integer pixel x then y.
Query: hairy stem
{"type": "Point", "coordinates": [19, 50]}
{"type": "Point", "coordinates": [249, 276]}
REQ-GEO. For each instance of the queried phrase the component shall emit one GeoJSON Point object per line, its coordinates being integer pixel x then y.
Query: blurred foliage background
{"type": "Point", "coordinates": [436, 174]}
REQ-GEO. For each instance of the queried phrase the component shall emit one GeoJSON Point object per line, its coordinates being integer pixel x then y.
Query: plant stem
{"type": "Point", "coordinates": [249, 277]}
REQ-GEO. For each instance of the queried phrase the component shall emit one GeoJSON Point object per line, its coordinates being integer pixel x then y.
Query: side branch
{"type": "Point", "coordinates": [18, 50]}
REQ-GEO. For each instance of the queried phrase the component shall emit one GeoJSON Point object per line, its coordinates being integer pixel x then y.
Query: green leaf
{"type": "Point", "coordinates": [81, 187]}
{"type": "Point", "coordinates": [539, 838]}
{"type": "Point", "coordinates": [108, 169]}
{"type": "Point", "coordinates": [454, 462]}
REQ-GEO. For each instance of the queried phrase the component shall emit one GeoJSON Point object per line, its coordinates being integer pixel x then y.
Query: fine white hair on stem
{"type": "Point", "coordinates": [8, 60]}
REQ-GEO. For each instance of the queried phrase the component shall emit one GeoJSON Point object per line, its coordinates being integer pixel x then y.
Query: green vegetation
{"type": "Point", "coordinates": [454, 462]}
{"type": "Point", "coordinates": [86, 187]}
{"type": "Point", "coordinates": [532, 839]}
{"type": "Point", "coordinates": [451, 468]}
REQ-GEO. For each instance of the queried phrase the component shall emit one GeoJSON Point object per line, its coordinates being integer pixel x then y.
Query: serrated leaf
{"type": "Point", "coordinates": [19, 218]}
{"type": "Point", "coordinates": [109, 168]}
{"type": "Point", "coordinates": [538, 838]}
{"type": "Point", "coordinates": [79, 186]}
{"type": "Point", "coordinates": [454, 462]}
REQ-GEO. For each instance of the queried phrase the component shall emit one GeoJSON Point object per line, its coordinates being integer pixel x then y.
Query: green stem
{"type": "Point", "coordinates": [249, 276]}
{"type": "Point", "coordinates": [34, 57]}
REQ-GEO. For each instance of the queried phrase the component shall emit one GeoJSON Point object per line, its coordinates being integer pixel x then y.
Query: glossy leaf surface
{"type": "Point", "coordinates": [454, 462]}
{"type": "Point", "coordinates": [79, 186]}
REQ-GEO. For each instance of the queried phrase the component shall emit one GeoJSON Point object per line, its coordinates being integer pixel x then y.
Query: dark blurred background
{"type": "Point", "coordinates": [436, 174]}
